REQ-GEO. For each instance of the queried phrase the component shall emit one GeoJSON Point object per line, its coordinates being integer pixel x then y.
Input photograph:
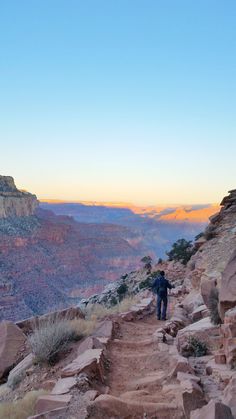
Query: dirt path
{"type": "Point", "coordinates": [139, 379]}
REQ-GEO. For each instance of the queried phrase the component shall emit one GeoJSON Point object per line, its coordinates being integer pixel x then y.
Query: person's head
{"type": "Point", "coordinates": [162, 273]}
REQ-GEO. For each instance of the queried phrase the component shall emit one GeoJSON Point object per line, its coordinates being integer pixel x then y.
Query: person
{"type": "Point", "coordinates": [160, 286]}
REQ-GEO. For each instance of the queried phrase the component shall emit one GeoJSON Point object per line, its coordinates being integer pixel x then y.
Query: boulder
{"type": "Point", "coordinates": [50, 402]}
{"type": "Point", "coordinates": [229, 396]}
{"type": "Point", "coordinates": [12, 342]}
{"type": "Point", "coordinates": [199, 313]}
{"type": "Point", "coordinates": [208, 283]}
{"type": "Point", "coordinates": [89, 362]}
{"type": "Point", "coordinates": [20, 369]}
{"type": "Point", "coordinates": [204, 331]}
{"type": "Point", "coordinates": [70, 313]}
{"type": "Point", "coordinates": [91, 342]}
{"type": "Point", "coordinates": [227, 294]}
{"type": "Point", "coordinates": [104, 330]}
{"type": "Point", "coordinates": [64, 385]}
{"type": "Point", "coordinates": [213, 410]}
{"type": "Point", "coordinates": [59, 413]}
{"type": "Point", "coordinates": [192, 396]}
{"type": "Point", "coordinates": [181, 364]}
{"type": "Point", "coordinates": [106, 406]}
{"type": "Point", "coordinates": [192, 301]}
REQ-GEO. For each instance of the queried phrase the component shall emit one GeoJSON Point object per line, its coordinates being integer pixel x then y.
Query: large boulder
{"type": "Point", "coordinates": [203, 331]}
{"type": "Point", "coordinates": [70, 313]}
{"type": "Point", "coordinates": [192, 301]}
{"type": "Point", "coordinates": [229, 396]}
{"type": "Point", "coordinates": [227, 295]}
{"type": "Point", "coordinates": [12, 342]}
{"type": "Point", "coordinates": [192, 395]}
{"type": "Point", "coordinates": [90, 362]}
{"type": "Point", "coordinates": [50, 402]}
{"type": "Point", "coordinates": [213, 410]}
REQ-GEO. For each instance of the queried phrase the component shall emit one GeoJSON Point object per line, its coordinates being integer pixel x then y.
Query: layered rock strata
{"type": "Point", "coordinates": [13, 202]}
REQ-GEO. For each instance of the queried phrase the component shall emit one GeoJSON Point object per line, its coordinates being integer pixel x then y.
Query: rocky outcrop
{"type": "Point", "coordinates": [208, 264]}
{"type": "Point", "coordinates": [15, 203]}
{"type": "Point", "coordinates": [12, 342]}
{"type": "Point", "coordinates": [227, 294]}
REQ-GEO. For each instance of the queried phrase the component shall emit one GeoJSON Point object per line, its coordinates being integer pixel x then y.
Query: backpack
{"type": "Point", "coordinates": [161, 289]}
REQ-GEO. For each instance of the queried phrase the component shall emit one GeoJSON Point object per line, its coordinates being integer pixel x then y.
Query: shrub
{"type": "Point", "coordinates": [96, 312]}
{"type": "Point", "coordinates": [51, 337]}
{"type": "Point", "coordinates": [147, 262]}
{"type": "Point", "coordinates": [22, 408]}
{"type": "Point", "coordinates": [146, 283]}
{"type": "Point", "coordinates": [122, 290]}
{"type": "Point", "coordinates": [181, 251]}
{"type": "Point", "coordinates": [160, 261]}
{"type": "Point", "coordinates": [213, 306]}
{"type": "Point", "coordinates": [83, 327]}
{"type": "Point", "coordinates": [113, 301]}
{"type": "Point", "coordinates": [196, 347]}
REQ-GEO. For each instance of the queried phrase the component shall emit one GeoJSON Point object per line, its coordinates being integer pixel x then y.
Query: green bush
{"type": "Point", "coordinates": [113, 301]}
{"type": "Point", "coordinates": [196, 347]}
{"type": "Point", "coordinates": [147, 262]}
{"type": "Point", "coordinates": [122, 290]}
{"type": "Point", "coordinates": [213, 306]}
{"type": "Point", "coordinates": [182, 250]}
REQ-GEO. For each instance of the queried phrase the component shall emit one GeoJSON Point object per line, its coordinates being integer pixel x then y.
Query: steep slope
{"type": "Point", "coordinates": [217, 247]}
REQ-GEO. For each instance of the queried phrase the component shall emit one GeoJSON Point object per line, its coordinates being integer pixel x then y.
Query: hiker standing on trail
{"type": "Point", "coordinates": [160, 286]}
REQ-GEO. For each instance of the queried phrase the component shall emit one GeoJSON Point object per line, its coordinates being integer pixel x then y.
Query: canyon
{"type": "Point", "coordinates": [54, 254]}
{"type": "Point", "coordinates": [157, 226]}
{"type": "Point", "coordinates": [49, 262]}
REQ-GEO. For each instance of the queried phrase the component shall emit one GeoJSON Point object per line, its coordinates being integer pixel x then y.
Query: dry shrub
{"type": "Point", "coordinates": [51, 337]}
{"type": "Point", "coordinates": [20, 409]}
{"type": "Point", "coordinates": [97, 312]}
{"type": "Point", "coordinates": [83, 327]}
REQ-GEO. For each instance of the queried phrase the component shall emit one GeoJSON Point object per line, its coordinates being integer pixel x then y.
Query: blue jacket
{"type": "Point", "coordinates": [161, 285]}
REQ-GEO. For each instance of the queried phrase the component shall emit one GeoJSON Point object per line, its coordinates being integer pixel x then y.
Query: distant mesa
{"type": "Point", "coordinates": [13, 202]}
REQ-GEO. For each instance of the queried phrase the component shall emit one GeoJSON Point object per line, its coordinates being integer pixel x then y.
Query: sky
{"type": "Point", "coordinates": [127, 100]}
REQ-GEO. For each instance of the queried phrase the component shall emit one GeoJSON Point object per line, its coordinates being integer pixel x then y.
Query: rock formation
{"type": "Point", "coordinates": [15, 203]}
{"type": "Point", "coordinates": [217, 247]}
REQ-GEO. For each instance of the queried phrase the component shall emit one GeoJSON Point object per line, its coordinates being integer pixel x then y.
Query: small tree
{"type": "Point", "coordinates": [147, 262]}
{"type": "Point", "coordinates": [181, 251]}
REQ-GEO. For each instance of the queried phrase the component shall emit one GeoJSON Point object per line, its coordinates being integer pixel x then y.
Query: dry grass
{"type": "Point", "coordinates": [51, 337]}
{"type": "Point", "coordinates": [96, 312]}
{"type": "Point", "coordinates": [20, 409]}
{"type": "Point", "coordinates": [83, 327]}
{"type": "Point", "coordinates": [99, 311]}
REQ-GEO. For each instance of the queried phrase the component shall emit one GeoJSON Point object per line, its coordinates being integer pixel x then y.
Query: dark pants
{"type": "Point", "coordinates": [161, 304]}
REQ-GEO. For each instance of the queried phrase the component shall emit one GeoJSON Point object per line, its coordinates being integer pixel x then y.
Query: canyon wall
{"type": "Point", "coordinates": [15, 203]}
{"type": "Point", "coordinates": [213, 264]}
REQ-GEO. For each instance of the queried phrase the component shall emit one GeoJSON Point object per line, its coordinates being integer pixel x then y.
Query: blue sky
{"type": "Point", "coordinates": [123, 100]}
